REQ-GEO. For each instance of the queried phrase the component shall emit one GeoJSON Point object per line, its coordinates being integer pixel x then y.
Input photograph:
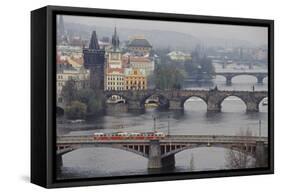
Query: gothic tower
{"type": "Point", "coordinates": [115, 41]}
{"type": "Point", "coordinates": [94, 60]}
{"type": "Point", "coordinates": [61, 31]}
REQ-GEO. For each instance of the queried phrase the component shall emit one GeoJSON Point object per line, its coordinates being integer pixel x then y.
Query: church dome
{"type": "Point", "coordinates": [139, 42]}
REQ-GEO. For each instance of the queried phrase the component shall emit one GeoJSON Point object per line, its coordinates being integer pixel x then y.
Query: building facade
{"type": "Point", "coordinates": [135, 79]}
{"type": "Point", "coordinates": [145, 63]}
{"type": "Point", "coordinates": [114, 79]}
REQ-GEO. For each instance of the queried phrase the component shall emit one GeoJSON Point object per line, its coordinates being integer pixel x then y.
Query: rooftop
{"type": "Point", "coordinates": [139, 42]}
{"type": "Point", "coordinates": [64, 67]}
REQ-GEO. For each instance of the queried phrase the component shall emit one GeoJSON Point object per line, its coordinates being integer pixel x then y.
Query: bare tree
{"type": "Point", "coordinates": [236, 159]}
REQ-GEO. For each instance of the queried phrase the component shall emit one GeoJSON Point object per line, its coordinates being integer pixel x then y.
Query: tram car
{"type": "Point", "coordinates": [129, 135]}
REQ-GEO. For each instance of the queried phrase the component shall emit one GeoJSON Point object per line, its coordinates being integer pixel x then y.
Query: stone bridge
{"type": "Point", "coordinates": [175, 99]}
{"type": "Point", "coordinates": [161, 153]}
{"type": "Point", "coordinates": [229, 75]}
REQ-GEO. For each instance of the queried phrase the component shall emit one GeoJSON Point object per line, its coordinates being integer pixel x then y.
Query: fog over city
{"type": "Point", "coordinates": [206, 33]}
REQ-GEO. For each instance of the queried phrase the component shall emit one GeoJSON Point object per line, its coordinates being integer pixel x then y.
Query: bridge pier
{"type": "Point", "coordinates": [228, 80]}
{"type": "Point", "coordinates": [135, 105]}
{"type": "Point", "coordinates": [154, 156]}
{"type": "Point", "coordinates": [261, 154]}
{"type": "Point", "coordinates": [260, 79]}
{"type": "Point", "coordinates": [155, 161]}
{"type": "Point", "coordinates": [252, 107]}
{"type": "Point", "coordinates": [59, 161]}
{"type": "Point", "coordinates": [175, 105]}
{"type": "Point", "coordinates": [213, 107]}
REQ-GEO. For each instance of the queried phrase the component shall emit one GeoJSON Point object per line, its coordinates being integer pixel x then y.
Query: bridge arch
{"type": "Point", "coordinates": [115, 98]}
{"type": "Point", "coordinates": [263, 104]}
{"type": "Point", "coordinates": [223, 100]}
{"type": "Point", "coordinates": [229, 76]}
{"type": "Point", "coordinates": [141, 151]}
{"type": "Point", "coordinates": [221, 77]}
{"type": "Point", "coordinates": [162, 100]}
{"type": "Point", "coordinates": [195, 97]}
{"type": "Point", "coordinates": [256, 78]}
{"type": "Point", "coordinates": [245, 149]}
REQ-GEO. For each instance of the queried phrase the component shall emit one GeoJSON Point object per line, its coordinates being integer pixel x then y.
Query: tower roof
{"type": "Point", "coordinates": [115, 40]}
{"type": "Point", "coordinates": [94, 41]}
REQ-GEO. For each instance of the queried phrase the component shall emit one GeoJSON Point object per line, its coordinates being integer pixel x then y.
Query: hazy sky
{"type": "Point", "coordinates": [256, 35]}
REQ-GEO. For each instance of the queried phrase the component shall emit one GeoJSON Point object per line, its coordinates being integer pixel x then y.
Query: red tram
{"type": "Point", "coordinates": [128, 136]}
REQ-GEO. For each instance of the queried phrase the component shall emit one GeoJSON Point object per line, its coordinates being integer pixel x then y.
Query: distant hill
{"type": "Point", "coordinates": [158, 38]}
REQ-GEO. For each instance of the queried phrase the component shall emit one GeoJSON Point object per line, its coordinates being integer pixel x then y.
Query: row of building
{"type": "Point", "coordinates": [106, 67]}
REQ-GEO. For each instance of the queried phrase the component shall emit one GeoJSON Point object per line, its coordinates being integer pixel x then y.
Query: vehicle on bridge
{"type": "Point", "coordinates": [129, 136]}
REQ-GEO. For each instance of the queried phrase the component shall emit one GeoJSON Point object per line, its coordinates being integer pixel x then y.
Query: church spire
{"type": "Point", "coordinates": [94, 41]}
{"type": "Point", "coordinates": [115, 40]}
{"type": "Point", "coordinates": [61, 29]}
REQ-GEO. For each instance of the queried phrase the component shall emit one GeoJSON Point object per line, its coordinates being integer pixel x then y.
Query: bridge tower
{"type": "Point", "coordinates": [94, 59]}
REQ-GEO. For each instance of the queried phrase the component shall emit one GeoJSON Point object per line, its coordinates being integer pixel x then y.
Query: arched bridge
{"type": "Point", "coordinates": [229, 75]}
{"type": "Point", "coordinates": [161, 152]}
{"type": "Point", "coordinates": [175, 98]}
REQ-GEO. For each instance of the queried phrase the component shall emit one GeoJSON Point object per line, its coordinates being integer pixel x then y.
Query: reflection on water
{"type": "Point", "coordinates": [194, 120]}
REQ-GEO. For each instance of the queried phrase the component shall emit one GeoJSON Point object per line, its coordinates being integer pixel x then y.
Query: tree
{"type": "Point", "coordinates": [199, 66]}
{"type": "Point", "coordinates": [92, 98]}
{"type": "Point", "coordinates": [168, 77]}
{"type": "Point", "coordinates": [69, 91]}
{"type": "Point", "coordinates": [95, 104]}
{"type": "Point", "coordinates": [84, 95]}
{"type": "Point", "coordinates": [75, 110]}
{"type": "Point", "coordinates": [236, 159]}
{"type": "Point", "coordinates": [207, 65]}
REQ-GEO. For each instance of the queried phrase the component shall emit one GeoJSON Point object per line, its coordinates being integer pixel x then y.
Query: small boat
{"type": "Point", "coordinates": [151, 105]}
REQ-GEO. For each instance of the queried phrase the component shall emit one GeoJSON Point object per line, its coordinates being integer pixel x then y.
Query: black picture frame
{"type": "Point", "coordinates": [43, 95]}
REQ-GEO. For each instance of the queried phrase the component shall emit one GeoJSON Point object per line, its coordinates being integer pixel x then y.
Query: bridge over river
{"type": "Point", "coordinates": [174, 99]}
{"type": "Point", "coordinates": [161, 152]}
{"type": "Point", "coordinates": [229, 75]}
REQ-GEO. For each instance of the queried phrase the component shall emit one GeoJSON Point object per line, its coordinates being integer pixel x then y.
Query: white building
{"type": "Point", "coordinates": [114, 79]}
{"type": "Point", "coordinates": [179, 56]}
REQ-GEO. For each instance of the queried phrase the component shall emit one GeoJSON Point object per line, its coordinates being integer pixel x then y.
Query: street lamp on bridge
{"type": "Point", "coordinates": [168, 125]}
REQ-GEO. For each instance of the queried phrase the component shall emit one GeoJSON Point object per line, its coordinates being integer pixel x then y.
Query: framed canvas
{"type": "Point", "coordinates": [126, 96]}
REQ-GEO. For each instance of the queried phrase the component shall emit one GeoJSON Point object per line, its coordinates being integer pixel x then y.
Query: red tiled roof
{"type": "Point", "coordinates": [111, 70]}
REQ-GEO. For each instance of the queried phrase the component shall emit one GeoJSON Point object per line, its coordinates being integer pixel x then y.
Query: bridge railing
{"type": "Point", "coordinates": [167, 139]}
